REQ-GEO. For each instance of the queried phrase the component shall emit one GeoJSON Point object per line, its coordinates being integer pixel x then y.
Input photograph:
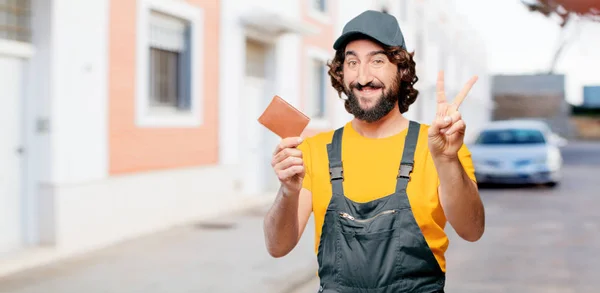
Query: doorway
{"type": "Point", "coordinates": [12, 72]}
{"type": "Point", "coordinates": [257, 142]}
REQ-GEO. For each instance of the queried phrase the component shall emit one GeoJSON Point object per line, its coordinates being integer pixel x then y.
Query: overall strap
{"type": "Point", "coordinates": [408, 154]}
{"type": "Point", "coordinates": [334, 152]}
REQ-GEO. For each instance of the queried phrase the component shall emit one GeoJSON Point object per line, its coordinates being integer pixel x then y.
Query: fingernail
{"type": "Point", "coordinates": [299, 139]}
{"type": "Point", "coordinates": [447, 119]}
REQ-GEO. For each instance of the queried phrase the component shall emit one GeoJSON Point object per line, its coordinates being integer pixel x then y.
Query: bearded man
{"type": "Point", "coordinates": [382, 187]}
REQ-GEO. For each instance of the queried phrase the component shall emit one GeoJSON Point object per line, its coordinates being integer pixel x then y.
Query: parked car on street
{"type": "Point", "coordinates": [517, 152]}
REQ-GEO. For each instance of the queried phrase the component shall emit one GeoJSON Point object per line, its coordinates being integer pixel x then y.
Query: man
{"type": "Point", "coordinates": [381, 187]}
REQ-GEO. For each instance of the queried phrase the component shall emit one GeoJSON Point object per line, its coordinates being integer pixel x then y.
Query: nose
{"type": "Point", "coordinates": [364, 76]}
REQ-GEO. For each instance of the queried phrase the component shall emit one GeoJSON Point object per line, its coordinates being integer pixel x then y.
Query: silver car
{"type": "Point", "coordinates": [517, 152]}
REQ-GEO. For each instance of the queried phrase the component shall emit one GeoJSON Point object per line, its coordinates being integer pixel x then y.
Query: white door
{"type": "Point", "coordinates": [269, 142]}
{"type": "Point", "coordinates": [258, 143]}
{"type": "Point", "coordinates": [11, 93]}
{"type": "Point", "coordinates": [252, 167]}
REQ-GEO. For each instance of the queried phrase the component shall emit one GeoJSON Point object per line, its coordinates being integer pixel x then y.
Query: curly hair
{"type": "Point", "coordinates": [406, 74]}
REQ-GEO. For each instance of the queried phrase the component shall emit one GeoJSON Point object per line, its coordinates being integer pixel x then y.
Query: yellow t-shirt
{"type": "Point", "coordinates": [370, 169]}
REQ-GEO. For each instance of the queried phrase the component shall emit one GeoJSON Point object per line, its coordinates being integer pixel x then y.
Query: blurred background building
{"type": "Point", "coordinates": [121, 118]}
{"type": "Point", "coordinates": [540, 97]}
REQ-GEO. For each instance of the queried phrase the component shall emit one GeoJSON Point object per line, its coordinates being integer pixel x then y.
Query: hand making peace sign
{"type": "Point", "coordinates": [446, 134]}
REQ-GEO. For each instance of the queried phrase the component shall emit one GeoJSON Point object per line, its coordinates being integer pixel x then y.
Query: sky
{"type": "Point", "coordinates": [522, 42]}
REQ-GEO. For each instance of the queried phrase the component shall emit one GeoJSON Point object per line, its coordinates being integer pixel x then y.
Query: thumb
{"type": "Point", "coordinates": [438, 124]}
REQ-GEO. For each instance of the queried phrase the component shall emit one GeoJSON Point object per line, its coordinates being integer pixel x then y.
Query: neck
{"type": "Point", "coordinates": [389, 125]}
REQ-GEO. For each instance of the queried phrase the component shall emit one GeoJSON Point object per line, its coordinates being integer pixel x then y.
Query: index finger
{"type": "Point", "coordinates": [439, 88]}
{"type": "Point", "coordinates": [464, 92]}
{"type": "Point", "coordinates": [288, 142]}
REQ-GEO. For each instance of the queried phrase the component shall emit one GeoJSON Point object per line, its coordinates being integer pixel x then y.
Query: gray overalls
{"type": "Point", "coordinates": [375, 246]}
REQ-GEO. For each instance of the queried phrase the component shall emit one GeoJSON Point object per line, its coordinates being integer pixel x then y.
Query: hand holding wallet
{"type": "Point", "coordinates": [283, 119]}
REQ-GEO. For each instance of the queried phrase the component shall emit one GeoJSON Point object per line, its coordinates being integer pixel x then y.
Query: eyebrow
{"type": "Point", "coordinates": [372, 53]}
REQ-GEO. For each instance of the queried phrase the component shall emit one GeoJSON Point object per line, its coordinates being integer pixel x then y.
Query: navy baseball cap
{"type": "Point", "coordinates": [377, 25]}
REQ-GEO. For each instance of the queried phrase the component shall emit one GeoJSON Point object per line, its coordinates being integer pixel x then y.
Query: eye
{"type": "Point", "coordinates": [352, 63]}
{"type": "Point", "coordinates": [378, 61]}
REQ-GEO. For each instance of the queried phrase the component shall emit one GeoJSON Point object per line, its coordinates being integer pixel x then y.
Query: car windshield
{"type": "Point", "coordinates": [510, 136]}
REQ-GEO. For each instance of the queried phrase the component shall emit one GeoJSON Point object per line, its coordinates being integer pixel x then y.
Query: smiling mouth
{"type": "Point", "coordinates": [368, 90]}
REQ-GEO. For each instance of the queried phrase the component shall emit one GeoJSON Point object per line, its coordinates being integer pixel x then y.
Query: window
{"type": "Point", "coordinates": [169, 64]}
{"type": "Point", "coordinates": [15, 20]}
{"type": "Point", "coordinates": [316, 107]}
{"type": "Point", "coordinates": [511, 136]}
{"type": "Point", "coordinates": [317, 9]}
{"type": "Point", "coordinates": [320, 5]}
{"type": "Point", "coordinates": [318, 87]}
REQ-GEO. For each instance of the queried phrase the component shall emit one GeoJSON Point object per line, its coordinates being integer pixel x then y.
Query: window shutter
{"type": "Point", "coordinates": [185, 80]}
{"type": "Point", "coordinates": [167, 32]}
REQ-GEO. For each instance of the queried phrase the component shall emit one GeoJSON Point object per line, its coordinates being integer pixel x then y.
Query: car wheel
{"type": "Point", "coordinates": [552, 184]}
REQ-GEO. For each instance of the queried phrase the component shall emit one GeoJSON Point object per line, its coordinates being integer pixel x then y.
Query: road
{"type": "Point", "coordinates": [537, 239]}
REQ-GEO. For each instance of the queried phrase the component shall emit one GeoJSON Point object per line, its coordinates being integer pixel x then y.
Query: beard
{"type": "Point", "coordinates": [384, 105]}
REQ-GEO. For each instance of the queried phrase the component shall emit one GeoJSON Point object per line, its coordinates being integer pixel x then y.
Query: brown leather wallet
{"type": "Point", "coordinates": [283, 119]}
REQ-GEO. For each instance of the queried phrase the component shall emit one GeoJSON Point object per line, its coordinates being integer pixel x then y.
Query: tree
{"type": "Point", "coordinates": [568, 11]}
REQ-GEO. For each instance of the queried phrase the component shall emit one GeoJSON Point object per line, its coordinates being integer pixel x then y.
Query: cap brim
{"type": "Point", "coordinates": [345, 38]}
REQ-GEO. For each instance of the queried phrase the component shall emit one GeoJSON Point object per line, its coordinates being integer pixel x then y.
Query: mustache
{"type": "Point", "coordinates": [372, 84]}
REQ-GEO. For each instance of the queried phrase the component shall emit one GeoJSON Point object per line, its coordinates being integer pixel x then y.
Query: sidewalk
{"type": "Point", "coordinates": [226, 254]}
{"type": "Point", "coordinates": [311, 286]}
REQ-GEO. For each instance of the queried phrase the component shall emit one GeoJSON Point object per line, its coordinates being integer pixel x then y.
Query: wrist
{"type": "Point", "coordinates": [445, 159]}
{"type": "Point", "coordinates": [287, 193]}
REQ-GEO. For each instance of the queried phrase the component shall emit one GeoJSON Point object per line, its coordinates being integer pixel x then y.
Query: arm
{"type": "Point", "coordinates": [459, 195]}
{"type": "Point", "coordinates": [286, 220]}
{"type": "Point", "coordinates": [460, 199]}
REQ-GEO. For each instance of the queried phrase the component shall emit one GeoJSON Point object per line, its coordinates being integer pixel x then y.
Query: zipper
{"type": "Point", "coordinates": [350, 217]}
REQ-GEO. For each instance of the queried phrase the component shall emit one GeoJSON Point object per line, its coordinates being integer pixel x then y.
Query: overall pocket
{"type": "Point", "coordinates": [367, 249]}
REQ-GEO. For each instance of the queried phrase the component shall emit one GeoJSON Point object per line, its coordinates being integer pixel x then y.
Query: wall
{"type": "Point", "coordinates": [275, 23]}
{"type": "Point", "coordinates": [134, 148]}
{"type": "Point", "coordinates": [78, 74]}
{"type": "Point", "coordinates": [245, 145]}
{"type": "Point", "coordinates": [533, 96]}
{"type": "Point", "coordinates": [66, 116]}
{"type": "Point", "coordinates": [86, 206]}
{"type": "Point", "coordinates": [318, 46]}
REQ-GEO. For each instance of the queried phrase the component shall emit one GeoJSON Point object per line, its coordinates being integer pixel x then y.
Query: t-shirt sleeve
{"type": "Point", "coordinates": [306, 158]}
{"type": "Point", "coordinates": [464, 155]}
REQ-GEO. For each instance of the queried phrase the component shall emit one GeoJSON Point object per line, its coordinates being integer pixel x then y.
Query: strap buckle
{"type": "Point", "coordinates": [405, 171]}
{"type": "Point", "coordinates": [336, 173]}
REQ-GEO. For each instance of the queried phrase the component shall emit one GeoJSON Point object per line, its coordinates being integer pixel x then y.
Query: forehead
{"type": "Point", "coordinates": [363, 47]}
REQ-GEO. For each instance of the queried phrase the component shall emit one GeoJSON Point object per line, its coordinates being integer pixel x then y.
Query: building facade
{"type": "Point", "coordinates": [536, 96]}
{"type": "Point", "coordinates": [127, 117]}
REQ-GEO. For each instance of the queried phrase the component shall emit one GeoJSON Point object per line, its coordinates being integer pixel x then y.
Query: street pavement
{"type": "Point", "coordinates": [220, 256]}
{"type": "Point", "coordinates": [537, 239]}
